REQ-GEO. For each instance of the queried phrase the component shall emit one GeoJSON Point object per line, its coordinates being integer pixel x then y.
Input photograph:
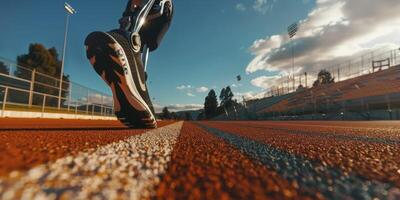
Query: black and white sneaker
{"type": "Point", "coordinates": [118, 61]}
{"type": "Point", "coordinates": [120, 58]}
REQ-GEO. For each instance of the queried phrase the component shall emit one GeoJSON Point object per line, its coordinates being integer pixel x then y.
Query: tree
{"type": "Point", "coordinates": [300, 88]}
{"type": "Point", "coordinates": [44, 61]}
{"type": "Point", "coordinates": [188, 116]}
{"type": "Point", "coordinates": [324, 77]}
{"type": "Point", "coordinates": [174, 116]}
{"type": "Point", "coordinates": [229, 96]}
{"type": "Point", "coordinates": [226, 97]}
{"type": "Point", "coordinates": [200, 116]}
{"type": "Point", "coordinates": [210, 104]}
{"type": "Point", "coordinates": [165, 113]}
{"type": "Point", "coordinates": [222, 95]}
{"type": "Point", "coordinates": [3, 68]}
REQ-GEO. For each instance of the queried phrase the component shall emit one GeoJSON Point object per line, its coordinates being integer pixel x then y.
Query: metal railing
{"type": "Point", "coordinates": [24, 89]}
{"type": "Point", "coordinates": [357, 66]}
{"type": "Point", "coordinates": [323, 103]}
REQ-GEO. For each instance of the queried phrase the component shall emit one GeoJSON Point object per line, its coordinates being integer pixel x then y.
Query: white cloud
{"type": "Point", "coordinates": [333, 31]}
{"type": "Point", "coordinates": [181, 107]}
{"type": "Point", "coordinates": [178, 107]}
{"type": "Point", "coordinates": [265, 81]}
{"type": "Point", "coordinates": [97, 99]}
{"type": "Point", "coordinates": [236, 85]}
{"type": "Point", "coordinates": [189, 89]}
{"type": "Point", "coordinates": [248, 95]}
{"type": "Point", "coordinates": [260, 6]}
{"type": "Point", "coordinates": [190, 94]}
{"type": "Point", "coordinates": [183, 87]}
{"type": "Point", "coordinates": [240, 7]}
{"type": "Point", "coordinates": [202, 89]}
{"type": "Point", "coordinates": [263, 6]}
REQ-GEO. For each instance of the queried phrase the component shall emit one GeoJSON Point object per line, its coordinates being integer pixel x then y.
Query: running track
{"type": "Point", "coordinates": [70, 159]}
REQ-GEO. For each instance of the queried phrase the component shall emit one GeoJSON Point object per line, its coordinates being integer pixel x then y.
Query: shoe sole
{"type": "Point", "coordinates": [109, 61]}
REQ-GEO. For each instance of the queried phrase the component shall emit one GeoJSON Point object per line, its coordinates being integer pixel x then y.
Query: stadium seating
{"type": "Point", "coordinates": [351, 94]}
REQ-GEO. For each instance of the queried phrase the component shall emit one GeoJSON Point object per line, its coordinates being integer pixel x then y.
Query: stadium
{"type": "Point", "coordinates": [167, 99]}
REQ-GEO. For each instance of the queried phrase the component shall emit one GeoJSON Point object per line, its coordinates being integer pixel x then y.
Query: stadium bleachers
{"type": "Point", "coordinates": [376, 90]}
{"type": "Point", "coordinates": [251, 108]}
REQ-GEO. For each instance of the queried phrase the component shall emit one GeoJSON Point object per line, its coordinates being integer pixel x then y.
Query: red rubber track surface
{"type": "Point", "coordinates": [359, 147]}
{"type": "Point", "coordinates": [205, 167]}
{"type": "Point", "coordinates": [37, 141]}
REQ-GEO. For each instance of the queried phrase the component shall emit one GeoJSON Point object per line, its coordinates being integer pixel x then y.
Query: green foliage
{"type": "Point", "coordinates": [226, 97]}
{"type": "Point", "coordinates": [3, 68]}
{"type": "Point", "coordinates": [165, 113]}
{"type": "Point", "coordinates": [200, 116]}
{"type": "Point", "coordinates": [211, 108]}
{"type": "Point", "coordinates": [174, 116]}
{"type": "Point", "coordinates": [324, 77]}
{"type": "Point", "coordinates": [45, 61]}
{"type": "Point", "coordinates": [210, 104]}
{"type": "Point", "coordinates": [300, 88]}
{"type": "Point", "coordinates": [188, 116]}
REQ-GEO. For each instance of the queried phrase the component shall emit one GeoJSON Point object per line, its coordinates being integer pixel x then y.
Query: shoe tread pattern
{"type": "Point", "coordinates": [100, 52]}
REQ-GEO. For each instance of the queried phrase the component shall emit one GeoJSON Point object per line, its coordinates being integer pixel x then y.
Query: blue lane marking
{"type": "Point", "coordinates": [312, 176]}
{"type": "Point", "coordinates": [368, 139]}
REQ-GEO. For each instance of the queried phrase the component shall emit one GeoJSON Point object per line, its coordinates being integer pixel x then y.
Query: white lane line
{"type": "Point", "coordinates": [129, 169]}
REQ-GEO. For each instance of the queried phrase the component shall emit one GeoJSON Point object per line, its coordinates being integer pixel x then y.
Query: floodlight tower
{"type": "Point", "coordinates": [292, 31]}
{"type": "Point", "coordinates": [70, 11]}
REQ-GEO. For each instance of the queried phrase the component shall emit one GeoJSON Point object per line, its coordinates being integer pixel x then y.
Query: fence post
{"type": "Point", "coordinates": [389, 107]}
{"type": "Point", "coordinates": [69, 96]}
{"type": "Point", "coordinates": [4, 102]}
{"type": "Point", "coordinates": [60, 92]}
{"type": "Point", "coordinates": [294, 83]}
{"type": "Point", "coordinates": [102, 100]}
{"type": "Point", "coordinates": [305, 75]}
{"type": "Point", "coordinates": [362, 64]}
{"type": "Point", "coordinates": [372, 60]}
{"type": "Point", "coordinates": [300, 80]}
{"type": "Point", "coordinates": [43, 104]}
{"type": "Point", "coordinates": [87, 104]}
{"type": "Point", "coordinates": [32, 87]}
{"type": "Point", "coordinates": [315, 106]}
{"type": "Point", "coordinates": [391, 58]}
{"type": "Point", "coordinates": [350, 73]}
{"type": "Point", "coordinates": [112, 108]}
{"type": "Point", "coordinates": [338, 74]}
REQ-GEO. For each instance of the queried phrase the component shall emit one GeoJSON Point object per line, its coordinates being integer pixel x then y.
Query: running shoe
{"type": "Point", "coordinates": [118, 61]}
{"type": "Point", "coordinates": [120, 58]}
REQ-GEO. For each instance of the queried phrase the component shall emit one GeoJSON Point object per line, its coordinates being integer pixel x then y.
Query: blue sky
{"type": "Point", "coordinates": [208, 44]}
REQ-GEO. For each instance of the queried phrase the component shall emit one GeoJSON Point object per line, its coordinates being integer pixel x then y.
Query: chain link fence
{"type": "Point", "coordinates": [23, 89]}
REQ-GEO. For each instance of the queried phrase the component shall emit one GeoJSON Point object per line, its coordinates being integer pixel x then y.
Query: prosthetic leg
{"type": "Point", "coordinates": [120, 57]}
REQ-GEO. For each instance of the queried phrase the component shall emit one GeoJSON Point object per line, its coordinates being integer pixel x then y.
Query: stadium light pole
{"type": "Point", "coordinates": [292, 31]}
{"type": "Point", "coordinates": [70, 11]}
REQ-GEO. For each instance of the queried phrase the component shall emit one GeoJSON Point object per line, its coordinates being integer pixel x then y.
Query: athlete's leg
{"type": "Point", "coordinates": [157, 24]}
{"type": "Point", "coordinates": [117, 56]}
{"type": "Point", "coordinates": [130, 9]}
